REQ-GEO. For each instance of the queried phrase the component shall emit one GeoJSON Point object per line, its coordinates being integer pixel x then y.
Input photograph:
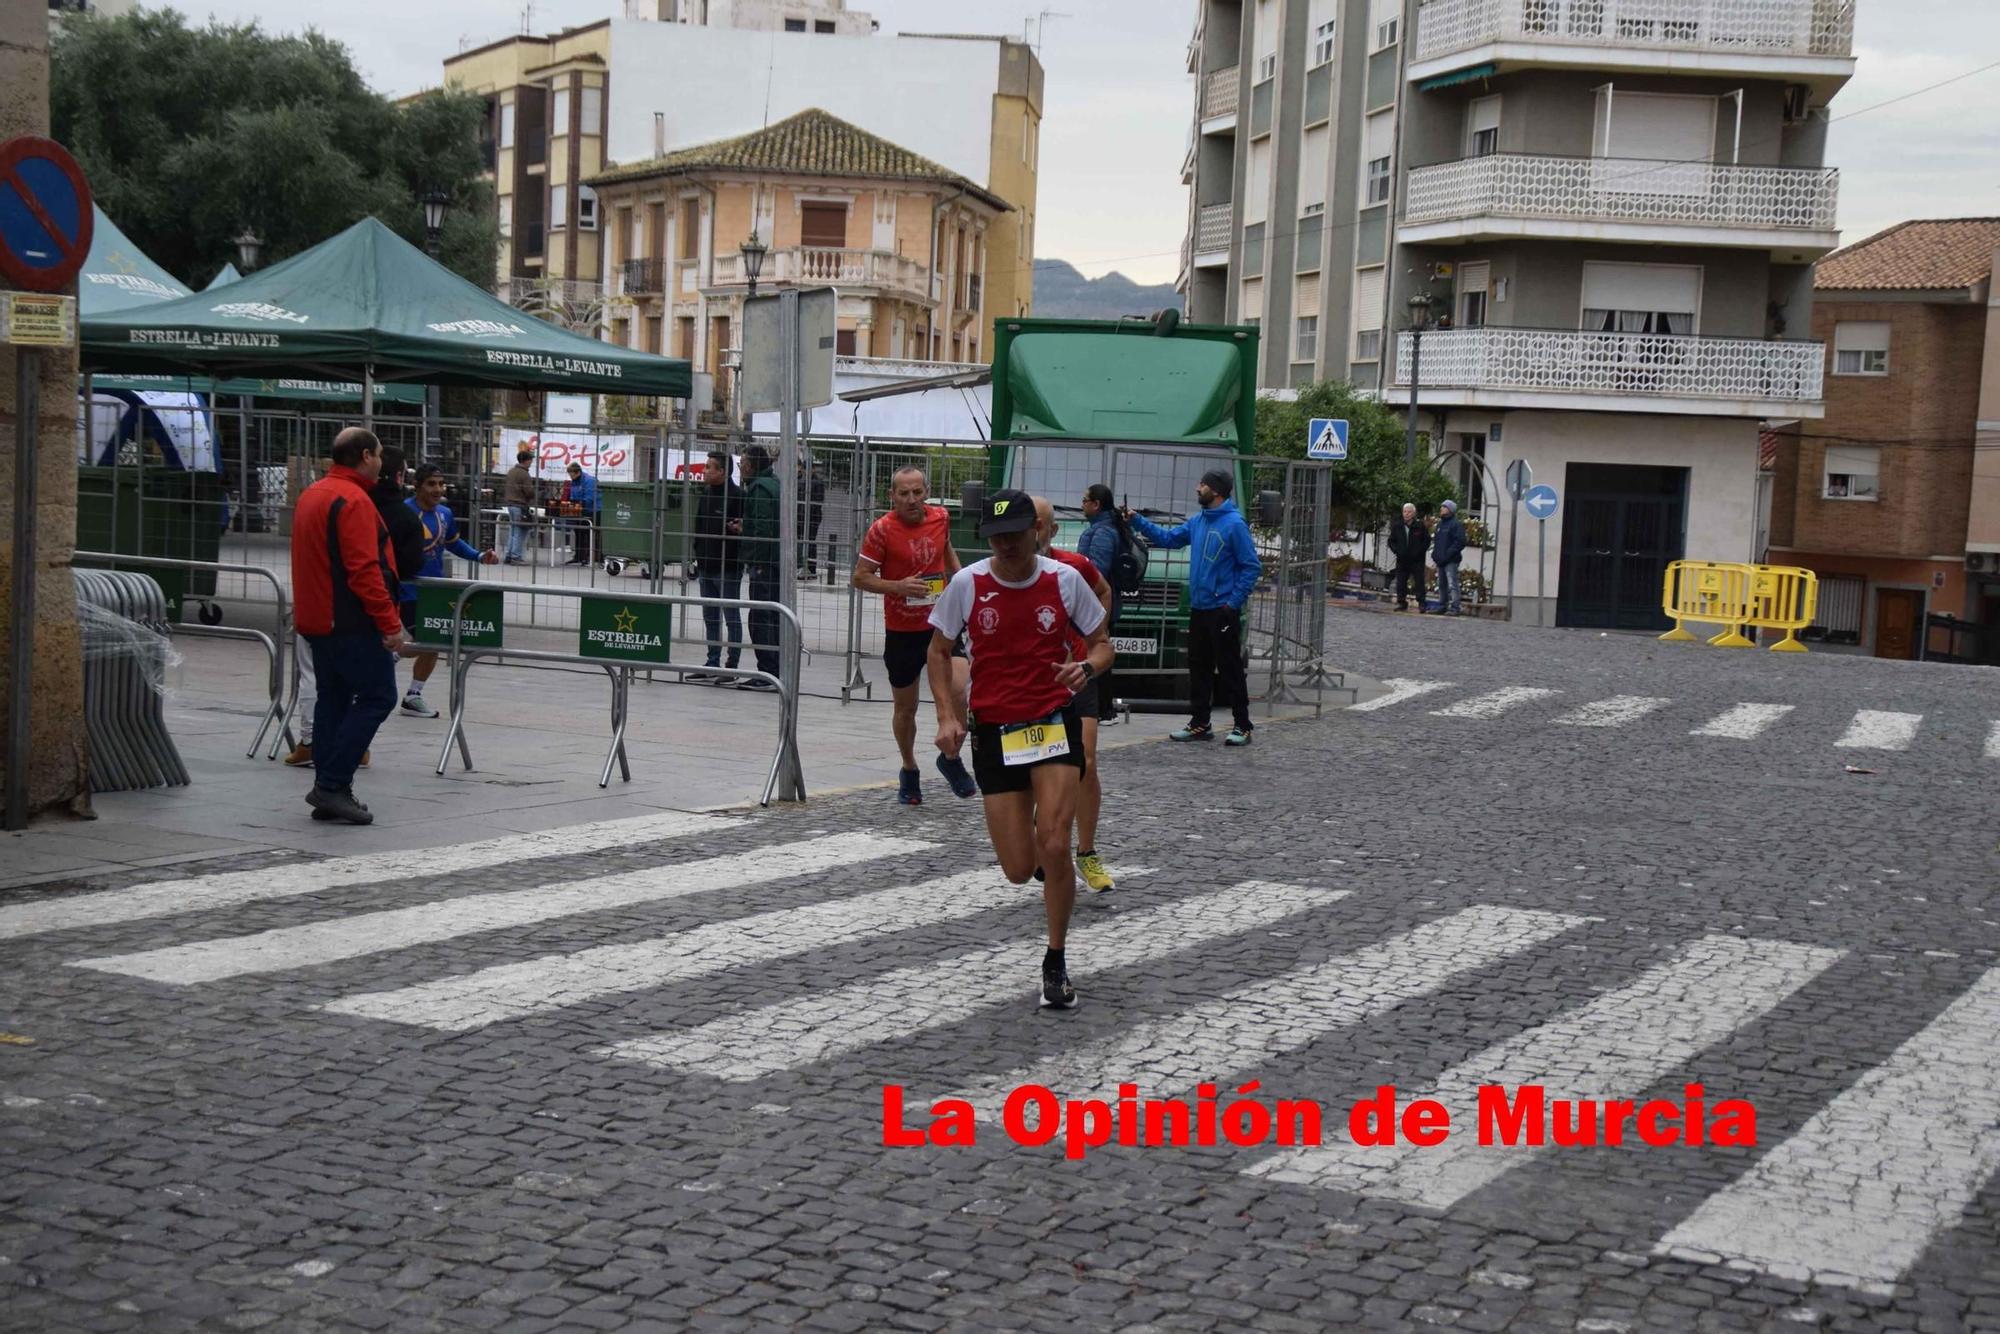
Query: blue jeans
{"type": "Point", "coordinates": [1448, 588]}
{"type": "Point", "coordinates": [357, 690]}
{"type": "Point", "coordinates": [726, 583]}
{"type": "Point", "coordinates": [764, 624]}
{"type": "Point", "coordinates": [517, 530]}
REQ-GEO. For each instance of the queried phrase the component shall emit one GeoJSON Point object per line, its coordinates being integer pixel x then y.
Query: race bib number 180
{"type": "Point", "coordinates": [1031, 743]}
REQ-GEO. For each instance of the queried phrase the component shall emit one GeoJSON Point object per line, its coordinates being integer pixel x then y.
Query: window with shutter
{"type": "Point", "coordinates": [1861, 347]}
{"type": "Point", "coordinates": [1370, 288]}
{"type": "Point", "coordinates": [1853, 472]}
{"type": "Point", "coordinates": [823, 224]}
{"type": "Point", "coordinates": [1641, 298]}
{"type": "Point", "coordinates": [1482, 127]}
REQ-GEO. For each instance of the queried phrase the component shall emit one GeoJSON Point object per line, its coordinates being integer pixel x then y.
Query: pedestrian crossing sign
{"type": "Point", "coordinates": [1326, 439]}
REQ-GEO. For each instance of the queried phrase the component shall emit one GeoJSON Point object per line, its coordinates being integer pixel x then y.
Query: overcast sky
{"type": "Point", "coordinates": [1119, 102]}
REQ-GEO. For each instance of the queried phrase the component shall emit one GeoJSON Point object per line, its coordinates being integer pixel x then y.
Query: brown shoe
{"type": "Point", "coordinates": [302, 754]}
{"type": "Point", "coordinates": [364, 759]}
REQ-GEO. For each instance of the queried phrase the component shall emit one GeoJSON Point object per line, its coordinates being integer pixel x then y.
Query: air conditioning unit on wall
{"type": "Point", "coordinates": [1982, 562]}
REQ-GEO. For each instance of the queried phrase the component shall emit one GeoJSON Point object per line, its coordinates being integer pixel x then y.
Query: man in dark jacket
{"type": "Point", "coordinates": [1409, 540]}
{"type": "Point", "coordinates": [1448, 549]}
{"type": "Point", "coordinates": [344, 604]}
{"type": "Point", "coordinates": [718, 541]}
{"type": "Point", "coordinates": [762, 499]}
{"type": "Point", "coordinates": [517, 493]}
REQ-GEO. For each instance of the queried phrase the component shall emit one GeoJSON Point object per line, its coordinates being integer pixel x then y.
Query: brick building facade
{"type": "Point", "coordinates": [1878, 497]}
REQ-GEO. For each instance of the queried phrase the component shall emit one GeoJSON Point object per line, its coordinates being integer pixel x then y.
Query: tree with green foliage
{"type": "Point", "coordinates": [1375, 479]}
{"type": "Point", "coordinates": [190, 134]}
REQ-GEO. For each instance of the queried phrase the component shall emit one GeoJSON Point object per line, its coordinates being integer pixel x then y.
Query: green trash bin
{"type": "Point", "coordinates": [625, 519]}
{"type": "Point", "coordinates": [184, 518]}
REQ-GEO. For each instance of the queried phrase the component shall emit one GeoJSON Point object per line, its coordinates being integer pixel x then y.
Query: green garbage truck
{"type": "Point", "coordinates": [1145, 407]}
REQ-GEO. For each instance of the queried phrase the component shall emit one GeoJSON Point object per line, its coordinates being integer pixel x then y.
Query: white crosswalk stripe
{"type": "Point", "coordinates": [1744, 722]}
{"type": "Point", "coordinates": [1494, 703]}
{"type": "Point", "coordinates": [1993, 742]}
{"type": "Point", "coordinates": [511, 991]}
{"type": "Point", "coordinates": [1214, 1040]}
{"type": "Point", "coordinates": [1857, 1194]}
{"type": "Point", "coordinates": [227, 889]}
{"type": "Point", "coordinates": [1877, 729]}
{"type": "Point", "coordinates": [925, 996]}
{"type": "Point", "coordinates": [1614, 712]}
{"type": "Point", "coordinates": [1614, 1047]}
{"type": "Point", "coordinates": [1400, 692]}
{"type": "Point", "coordinates": [447, 919]}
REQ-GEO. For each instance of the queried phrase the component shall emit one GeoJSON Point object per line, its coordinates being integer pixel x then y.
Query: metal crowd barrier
{"type": "Point", "coordinates": [786, 781]}
{"type": "Point", "coordinates": [1739, 597]}
{"type": "Point", "coordinates": [123, 675]}
{"type": "Point", "coordinates": [284, 691]}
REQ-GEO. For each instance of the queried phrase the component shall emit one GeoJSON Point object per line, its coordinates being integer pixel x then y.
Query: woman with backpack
{"type": "Point", "coordinates": [1108, 544]}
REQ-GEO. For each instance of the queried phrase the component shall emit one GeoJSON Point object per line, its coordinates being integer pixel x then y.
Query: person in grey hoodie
{"type": "Point", "coordinates": [1223, 568]}
{"type": "Point", "coordinates": [1447, 550]}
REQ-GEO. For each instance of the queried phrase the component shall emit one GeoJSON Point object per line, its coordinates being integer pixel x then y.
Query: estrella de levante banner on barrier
{"type": "Point", "coordinates": [614, 630]}
{"type": "Point", "coordinates": [435, 604]}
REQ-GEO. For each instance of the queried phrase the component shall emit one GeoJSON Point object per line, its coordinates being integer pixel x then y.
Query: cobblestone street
{"type": "Point", "coordinates": [630, 1074]}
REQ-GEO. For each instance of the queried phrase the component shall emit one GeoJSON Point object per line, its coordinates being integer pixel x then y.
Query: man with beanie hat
{"type": "Point", "coordinates": [1222, 570]}
{"type": "Point", "coordinates": [1447, 549]}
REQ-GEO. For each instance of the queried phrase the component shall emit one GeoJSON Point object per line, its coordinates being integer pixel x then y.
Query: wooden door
{"type": "Point", "coordinates": [1899, 617]}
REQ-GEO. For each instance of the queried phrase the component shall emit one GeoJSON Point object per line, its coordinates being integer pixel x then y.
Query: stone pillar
{"type": "Point", "coordinates": [57, 776]}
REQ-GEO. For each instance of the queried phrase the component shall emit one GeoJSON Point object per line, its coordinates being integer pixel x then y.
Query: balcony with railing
{"type": "Point", "coordinates": [1622, 199]}
{"type": "Point", "coordinates": [817, 265]}
{"type": "Point", "coordinates": [1219, 96]}
{"type": "Point", "coordinates": [1574, 369]}
{"type": "Point", "coordinates": [1811, 39]}
{"type": "Point", "coordinates": [642, 277]}
{"type": "Point", "coordinates": [1212, 234]}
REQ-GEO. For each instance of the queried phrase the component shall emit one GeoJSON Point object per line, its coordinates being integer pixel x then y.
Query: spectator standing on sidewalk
{"type": "Point", "coordinates": [718, 555]}
{"type": "Point", "coordinates": [582, 491]}
{"type": "Point", "coordinates": [1409, 539]}
{"type": "Point", "coordinates": [1223, 568]}
{"type": "Point", "coordinates": [344, 591]}
{"type": "Point", "coordinates": [763, 499]}
{"type": "Point", "coordinates": [440, 534]}
{"type": "Point", "coordinates": [1106, 539]}
{"type": "Point", "coordinates": [1448, 549]}
{"type": "Point", "coordinates": [517, 493]}
{"type": "Point", "coordinates": [812, 512]}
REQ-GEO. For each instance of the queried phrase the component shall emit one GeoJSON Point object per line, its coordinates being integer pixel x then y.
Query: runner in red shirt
{"type": "Point", "coordinates": [906, 557]}
{"type": "Point", "coordinates": [1090, 796]}
{"type": "Point", "coordinates": [1018, 612]}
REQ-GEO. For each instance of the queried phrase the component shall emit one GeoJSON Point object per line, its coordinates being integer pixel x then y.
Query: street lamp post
{"type": "Point", "coordinates": [753, 251]}
{"type": "Point", "coordinates": [249, 248]}
{"type": "Point", "coordinates": [1420, 312]}
{"type": "Point", "coordinates": [434, 201]}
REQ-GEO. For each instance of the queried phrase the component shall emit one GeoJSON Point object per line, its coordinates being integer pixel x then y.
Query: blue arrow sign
{"type": "Point", "coordinates": [1541, 501]}
{"type": "Point", "coordinates": [1326, 438]}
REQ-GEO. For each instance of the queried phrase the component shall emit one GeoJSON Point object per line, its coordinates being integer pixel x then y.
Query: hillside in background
{"type": "Point", "coordinates": [1063, 293]}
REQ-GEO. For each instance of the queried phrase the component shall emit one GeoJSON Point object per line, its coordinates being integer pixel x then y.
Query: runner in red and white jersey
{"type": "Point", "coordinates": [906, 557]}
{"type": "Point", "coordinates": [1018, 611]}
{"type": "Point", "coordinates": [1090, 796]}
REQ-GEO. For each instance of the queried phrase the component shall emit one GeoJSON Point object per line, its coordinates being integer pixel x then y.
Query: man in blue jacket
{"type": "Point", "coordinates": [440, 535]}
{"type": "Point", "coordinates": [1447, 550]}
{"type": "Point", "coordinates": [583, 490]}
{"type": "Point", "coordinates": [1222, 569]}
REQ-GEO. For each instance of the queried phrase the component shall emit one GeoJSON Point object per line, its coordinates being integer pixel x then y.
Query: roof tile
{"type": "Point", "coordinates": [1924, 254]}
{"type": "Point", "coordinates": [811, 143]}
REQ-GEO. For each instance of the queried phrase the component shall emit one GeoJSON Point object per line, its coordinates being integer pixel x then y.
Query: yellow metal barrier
{"type": "Point", "coordinates": [1783, 597]}
{"type": "Point", "coordinates": [1705, 590]}
{"type": "Point", "coordinates": [1739, 597]}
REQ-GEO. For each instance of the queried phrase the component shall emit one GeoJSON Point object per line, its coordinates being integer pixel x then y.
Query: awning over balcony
{"type": "Point", "coordinates": [1473, 75]}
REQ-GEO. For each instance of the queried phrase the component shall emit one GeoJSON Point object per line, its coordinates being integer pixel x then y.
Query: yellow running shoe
{"type": "Point", "coordinates": [1091, 867]}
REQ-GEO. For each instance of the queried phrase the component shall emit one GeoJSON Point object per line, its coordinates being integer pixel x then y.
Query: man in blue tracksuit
{"type": "Point", "coordinates": [1222, 570]}
{"type": "Point", "coordinates": [582, 490]}
{"type": "Point", "coordinates": [440, 536]}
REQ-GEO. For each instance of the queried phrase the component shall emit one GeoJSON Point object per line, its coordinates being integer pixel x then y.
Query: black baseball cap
{"type": "Point", "coordinates": [1007, 512]}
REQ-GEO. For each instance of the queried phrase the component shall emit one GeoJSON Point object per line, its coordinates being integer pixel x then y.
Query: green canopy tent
{"type": "Point", "coordinates": [118, 276]}
{"type": "Point", "coordinates": [224, 276]}
{"type": "Point", "coordinates": [368, 303]}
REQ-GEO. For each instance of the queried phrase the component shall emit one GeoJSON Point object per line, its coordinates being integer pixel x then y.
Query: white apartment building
{"type": "Point", "coordinates": [1598, 217]}
{"type": "Point", "coordinates": [826, 18]}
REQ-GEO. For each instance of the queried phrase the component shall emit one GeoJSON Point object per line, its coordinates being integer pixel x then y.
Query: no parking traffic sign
{"type": "Point", "coordinates": [45, 214]}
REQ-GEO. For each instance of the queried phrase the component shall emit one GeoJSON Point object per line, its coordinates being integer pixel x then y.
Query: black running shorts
{"type": "Point", "coordinates": [994, 777]}
{"type": "Point", "coordinates": [904, 653]}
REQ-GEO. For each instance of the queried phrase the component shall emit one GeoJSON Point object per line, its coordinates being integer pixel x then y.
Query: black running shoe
{"type": "Point", "coordinates": [1057, 993]}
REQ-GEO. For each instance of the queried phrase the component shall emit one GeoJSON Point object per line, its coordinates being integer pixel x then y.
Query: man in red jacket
{"type": "Point", "coordinates": [344, 600]}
